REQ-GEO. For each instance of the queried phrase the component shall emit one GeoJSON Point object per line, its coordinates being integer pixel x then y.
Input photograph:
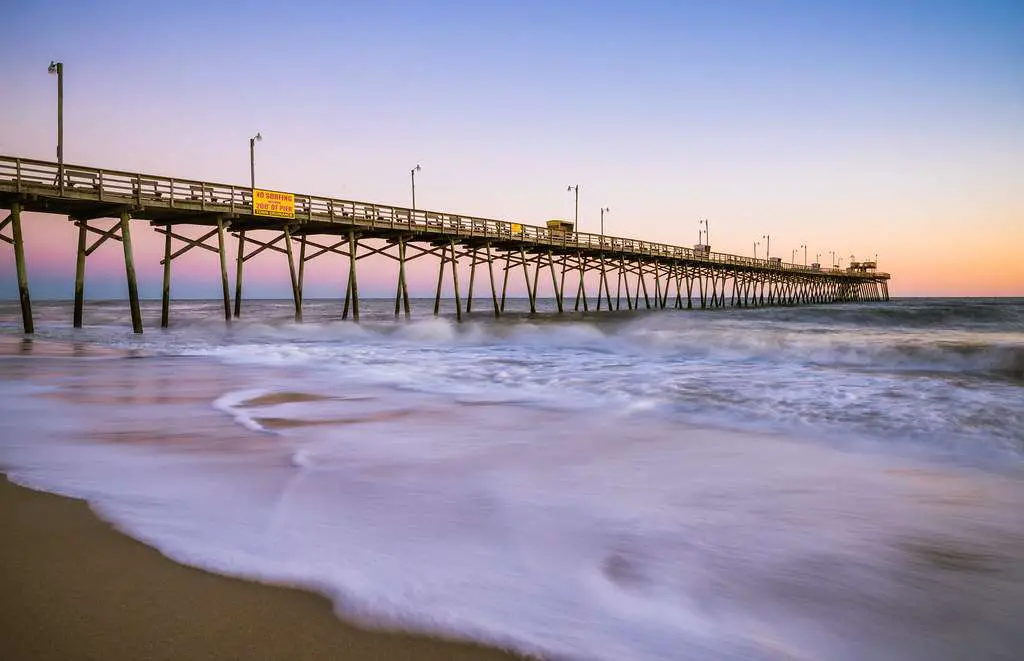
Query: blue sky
{"type": "Point", "coordinates": [894, 128]}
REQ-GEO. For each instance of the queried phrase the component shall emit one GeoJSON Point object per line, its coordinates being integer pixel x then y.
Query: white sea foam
{"type": "Point", "coordinates": [567, 487]}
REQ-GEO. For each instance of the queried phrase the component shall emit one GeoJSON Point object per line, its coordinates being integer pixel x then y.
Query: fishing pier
{"type": "Point", "coordinates": [643, 274]}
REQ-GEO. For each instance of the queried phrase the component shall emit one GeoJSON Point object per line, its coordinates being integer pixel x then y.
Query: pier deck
{"type": "Point", "coordinates": [355, 230]}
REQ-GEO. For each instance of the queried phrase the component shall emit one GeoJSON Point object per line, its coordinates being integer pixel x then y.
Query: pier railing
{"type": "Point", "coordinates": [150, 191]}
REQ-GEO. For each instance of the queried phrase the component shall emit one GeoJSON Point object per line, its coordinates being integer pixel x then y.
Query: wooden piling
{"type": "Point", "coordinates": [472, 277]}
{"type": "Point", "coordinates": [238, 273]}
{"type": "Point", "coordinates": [554, 282]}
{"type": "Point", "coordinates": [27, 324]}
{"type": "Point", "coordinates": [222, 255]}
{"type": "Point", "coordinates": [353, 255]}
{"type": "Point", "coordinates": [80, 273]}
{"type": "Point", "coordinates": [440, 278]}
{"type": "Point", "coordinates": [129, 266]}
{"type": "Point", "coordinates": [490, 274]}
{"type": "Point", "coordinates": [455, 282]}
{"type": "Point", "coordinates": [297, 300]}
{"type": "Point", "coordinates": [165, 297]}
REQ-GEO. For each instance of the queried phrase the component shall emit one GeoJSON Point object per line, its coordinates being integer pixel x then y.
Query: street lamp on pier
{"type": "Point", "coordinates": [57, 68]}
{"type": "Point", "coordinates": [756, 244]}
{"type": "Point", "coordinates": [832, 253]}
{"type": "Point", "coordinates": [768, 246]}
{"type": "Point", "coordinates": [576, 218]}
{"type": "Point", "coordinates": [252, 158]}
{"type": "Point", "coordinates": [603, 211]}
{"type": "Point", "coordinates": [707, 238]}
{"type": "Point", "coordinates": [412, 175]}
{"type": "Point", "coordinates": [804, 246]}
{"type": "Point", "coordinates": [241, 235]}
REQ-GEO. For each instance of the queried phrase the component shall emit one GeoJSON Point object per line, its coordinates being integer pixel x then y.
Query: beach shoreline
{"type": "Point", "coordinates": [75, 588]}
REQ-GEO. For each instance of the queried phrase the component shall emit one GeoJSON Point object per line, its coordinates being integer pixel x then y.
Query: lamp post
{"type": "Point", "coordinates": [804, 246]}
{"type": "Point", "coordinates": [768, 246]}
{"type": "Point", "coordinates": [252, 158]}
{"type": "Point", "coordinates": [792, 256]}
{"type": "Point", "coordinates": [412, 174]}
{"type": "Point", "coordinates": [603, 210]}
{"type": "Point", "coordinates": [576, 218]}
{"type": "Point", "coordinates": [833, 255]}
{"type": "Point", "coordinates": [241, 235]}
{"type": "Point", "coordinates": [707, 237]}
{"type": "Point", "coordinates": [58, 69]}
{"type": "Point", "coordinates": [756, 244]}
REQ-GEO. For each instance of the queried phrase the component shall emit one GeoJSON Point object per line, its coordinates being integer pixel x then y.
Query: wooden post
{"type": "Point", "coordinates": [472, 276]}
{"type": "Point", "coordinates": [490, 273]}
{"type": "Point", "coordinates": [647, 300]}
{"type": "Point", "coordinates": [222, 254]}
{"type": "Point", "coordinates": [554, 282]}
{"type": "Point", "coordinates": [607, 289]}
{"type": "Point", "coordinates": [440, 276]}
{"type": "Point", "coordinates": [536, 277]}
{"type": "Point", "coordinates": [165, 299]}
{"type": "Point", "coordinates": [129, 266]}
{"type": "Point", "coordinates": [302, 264]}
{"type": "Point", "coordinates": [504, 281]}
{"type": "Point", "coordinates": [291, 272]}
{"type": "Point", "coordinates": [238, 273]}
{"type": "Point", "coordinates": [19, 259]}
{"type": "Point", "coordinates": [455, 282]}
{"type": "Point", "coordinates": [80, 273]}
{"type": "Point", "coordinates": [526, 274]}
{"type": "Point", "coordinates": [401, 278]}
{"type": "Point", "coordinates": [353, 254]}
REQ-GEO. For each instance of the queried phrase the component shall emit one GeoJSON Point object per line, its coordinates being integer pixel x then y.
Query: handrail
{"type": "Point", "coordinates": [84, 182]}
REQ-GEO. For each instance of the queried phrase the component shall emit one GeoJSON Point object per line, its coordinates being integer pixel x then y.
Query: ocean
{"type": "Point", "coordinates": [839, 482]}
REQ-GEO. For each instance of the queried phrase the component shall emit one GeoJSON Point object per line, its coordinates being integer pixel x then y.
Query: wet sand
{"type": "Point", "coordinates": [74, 588]}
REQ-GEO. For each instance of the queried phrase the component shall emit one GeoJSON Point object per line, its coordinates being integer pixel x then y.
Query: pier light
{"type": "Point", "coordinates": [603, 211]}
{"type": "Point", "coordinates": [57, 69]}
{"type": "Point", "coordinates": [576, 217]}
{"type": "Point", "coordinates": [768, 245]}
{"type": "Point", "coordinates": [252, 158]}
{"type": "Point", "coordinates": [756, 244]}
{"type": "Point", "coordinates": [412, 175]}
{"type": "Point", "coordinates": [707, 236]}
{"type": "Point", "coordinates": [804, 246]}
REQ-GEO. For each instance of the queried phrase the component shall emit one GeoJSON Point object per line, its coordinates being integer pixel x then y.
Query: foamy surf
{"type": "Point", "coordinates": [635, 490]}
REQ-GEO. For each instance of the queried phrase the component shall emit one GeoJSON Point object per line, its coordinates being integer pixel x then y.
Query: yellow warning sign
{"type": "Point", "coordinates": [517, 228]}
{"type": "Point", "coordinates": [273, 203]}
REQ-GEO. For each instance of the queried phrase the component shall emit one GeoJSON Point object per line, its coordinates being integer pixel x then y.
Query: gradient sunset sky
{"type": "Point", "coordinates": [889, 128]}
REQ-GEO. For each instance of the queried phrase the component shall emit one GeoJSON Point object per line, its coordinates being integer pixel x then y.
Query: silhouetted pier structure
{"type": "Point", "coordinates": [102, 203]}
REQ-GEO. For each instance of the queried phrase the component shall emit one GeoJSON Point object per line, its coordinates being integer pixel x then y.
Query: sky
{"type": "Point", "coordinates": [864, 128]}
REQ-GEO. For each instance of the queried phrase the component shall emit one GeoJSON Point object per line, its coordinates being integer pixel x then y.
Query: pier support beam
{"type": "Point", "coordinates": [222, 252]}
{"type": "Point", "coordinates": [83, 229]}
{"type": "Point", "coordinates": [490, 274]}
{"type": "Point", "coordinates": [129, 267]}
{"type": "Point", "coordinates": [455, 282]}
{"type": "Point", "coordinates": [402, 293]}
{"type": "Point", "coordinates": [238, 273]}
{"type": "Point", "coordinates": [296, 296]}
{"type": "Point", "coordinates": [165, 297]}
{"type": "Point", "coordinates": [19, 264]}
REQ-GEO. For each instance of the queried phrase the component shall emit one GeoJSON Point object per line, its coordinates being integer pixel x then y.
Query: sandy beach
{"type": "Point", "coordinates": [74, 588]}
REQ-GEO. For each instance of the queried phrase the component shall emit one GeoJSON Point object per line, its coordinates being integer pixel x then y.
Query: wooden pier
{"type": "Point", "coordinates": [643, 274]}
